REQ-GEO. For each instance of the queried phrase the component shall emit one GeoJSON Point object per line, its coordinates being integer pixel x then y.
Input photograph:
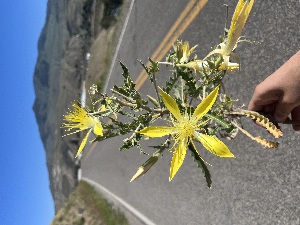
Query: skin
{"type": "Point", "coordinates": [279, 94]}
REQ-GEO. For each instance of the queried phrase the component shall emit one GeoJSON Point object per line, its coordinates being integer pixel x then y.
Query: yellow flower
{"type": "Point", "coordinates": [185, 128]}
{"type": "Point", "coordinates": [183, 51]}
{"type": "Point", "coordinates": [200, 65]}
{"type": "Point", "coordinates": [238, 21]}
{"type": "Point", "coordinates": [230, 66]}
{"type": "Point", "coordinates": [78, 120]}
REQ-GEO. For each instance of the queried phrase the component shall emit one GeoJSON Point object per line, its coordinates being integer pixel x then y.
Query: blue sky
{"type": "Point", "coordinates": [25, 196]}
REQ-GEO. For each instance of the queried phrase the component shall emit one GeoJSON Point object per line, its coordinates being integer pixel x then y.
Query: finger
{"type": "Point", "coordinates": [296, 117]}
{"type": "Point", "coordinates": [269, 109]}
{"type": "Point", "coordinates": [282, 111]}
{"type": "Point", "coordinates": [255, 106]}
{"type": "Point", "coordinates": [262, 98]}
{"type": "Point", "coordinates": [264, 106]}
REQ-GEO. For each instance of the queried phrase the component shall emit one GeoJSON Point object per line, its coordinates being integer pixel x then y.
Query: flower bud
{"type": "Point", "coordinates": [146, 166]}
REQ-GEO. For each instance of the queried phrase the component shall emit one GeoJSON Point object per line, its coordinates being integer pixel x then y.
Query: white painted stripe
{"type": "Point", "coordinates": [83, 95]}
{"type": "Point", "coordinates": [130, 208]}
{"type": "Point", "coordinates": [79, 174]}
{"type": "Point", "coordinates": [118, 46]}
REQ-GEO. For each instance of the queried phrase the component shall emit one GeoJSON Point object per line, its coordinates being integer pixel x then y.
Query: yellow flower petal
{"type": "Point", "coordinates": [78, 119]}
{"type": "Point", "coordinates": [102, 108]}
{"type": "Point", "coordinates": [98, 129]}
{"type": "Point", "coordinates": [157, 131]}
{"type": "Point", "coordinates": [178, 158]}
{"type": "Point", "coordinates": [171, 105]}
{"type": "Point", "coordinates": [205, 105]}
{"type": "Point", "coordinates": [231, 66]}
{"type": "Point", "coordinates": [81, 147]}
{"type": "Point", "coordinates": [183, 51]}
{"type": "Point", "coordinates": [196, 65]}
{"type": "Point", "coordinates": [214, 145]}
{"type": "Point", "coordinates": [238, 21]}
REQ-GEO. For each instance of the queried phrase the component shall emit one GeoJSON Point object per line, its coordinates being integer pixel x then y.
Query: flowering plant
{"type": "Point", "coordinates": [192, 103]}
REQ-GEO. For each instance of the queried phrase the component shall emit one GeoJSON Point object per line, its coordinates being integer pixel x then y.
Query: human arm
{"type": "Point", "coordinates": [279, 94]}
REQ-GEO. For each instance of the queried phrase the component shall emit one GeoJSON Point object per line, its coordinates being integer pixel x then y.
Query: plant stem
{"type": "Point", "coordinates": [142, 106]}
{"type": "Point", "coordinates": [165, 63]}
{"type": "Point", "coordinates": [204, 92]}
{"type": "Point", "coordinates": [182, 96]}
{"type": "Point", "coordinates": [156, 90]}
{"type": "Point", "coordinates": [124, 96]}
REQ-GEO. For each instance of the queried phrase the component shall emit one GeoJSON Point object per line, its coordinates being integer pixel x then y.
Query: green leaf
{"type": "Point", "coordinates": [151, 70]}
{"type": "Point", "coordinates": [219, 120]}
{"type": "Point", "coordinates": [201, 164]}
{"type": "Point", "coordinates": [154, 66]}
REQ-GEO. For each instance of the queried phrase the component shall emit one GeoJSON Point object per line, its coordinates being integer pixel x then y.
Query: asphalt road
{"type": "Point", "coordinates": [259, 186]}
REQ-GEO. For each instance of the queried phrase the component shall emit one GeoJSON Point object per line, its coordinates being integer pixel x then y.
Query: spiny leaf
{"type": "Point", "coordinates": [190, 83]}
{"type": "Point", "coordinates": [201, 164]}
{"type": "Point", "coordinates": [219, 120]}
{"type": "Point", "coordinates": [151, 70]}
{"type": "Point", "coordinates": [170, 83]}
{"type": "Point", "coordinates": [117, 128]}
{"type": "Point", "coordinates": [154, 66]}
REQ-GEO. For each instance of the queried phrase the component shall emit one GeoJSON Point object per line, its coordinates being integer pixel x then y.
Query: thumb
{"type": "Point", "coordinates": [282, 111]}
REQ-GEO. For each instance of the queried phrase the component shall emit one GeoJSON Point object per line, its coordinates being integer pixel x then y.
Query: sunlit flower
{"type": "Point", "coordinates": [200, 65]}
{"type": "Point", "coordinates": [238, 21]}
{"type": "Point", "coordinates": [183, 51]}
{"type": "Point", "coordinates": [185, 128]}
{"type": "Point", "coordinates": [230, 66]}
{"type": "Point", "coordinates": [78, 120]}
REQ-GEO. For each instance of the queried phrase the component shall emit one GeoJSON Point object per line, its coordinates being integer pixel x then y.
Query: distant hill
{"type": "Point", "coordinates": [72, 29]}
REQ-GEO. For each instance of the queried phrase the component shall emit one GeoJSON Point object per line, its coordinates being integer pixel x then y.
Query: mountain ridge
{"type": "Point", "coordinates": [71, 30]}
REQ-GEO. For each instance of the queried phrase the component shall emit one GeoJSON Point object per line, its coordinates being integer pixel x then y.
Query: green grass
{"type": "Point", "coordinates": [111, 45]}
{"type": "Point", "coordinates": [87, 207]}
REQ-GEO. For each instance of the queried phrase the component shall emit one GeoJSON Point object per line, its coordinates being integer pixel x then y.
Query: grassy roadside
{"type": "Point", "coordinates": [104, 44]}
{"type": "Point", "coordinates": [86, 206]}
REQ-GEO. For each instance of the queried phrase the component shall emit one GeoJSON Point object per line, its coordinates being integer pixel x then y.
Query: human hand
{"type": "Point", "coordinates": [279, 94]}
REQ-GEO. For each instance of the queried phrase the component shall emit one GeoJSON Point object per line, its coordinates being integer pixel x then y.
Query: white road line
{"type": "Point", "coordinates": [118, 46]}
{"type": "Point", "coordinates": [130, 208]}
